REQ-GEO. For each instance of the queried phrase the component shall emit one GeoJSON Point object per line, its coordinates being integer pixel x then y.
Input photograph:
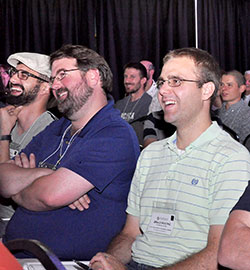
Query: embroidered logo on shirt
{"type": "Point", "coordinates": [194, 181]}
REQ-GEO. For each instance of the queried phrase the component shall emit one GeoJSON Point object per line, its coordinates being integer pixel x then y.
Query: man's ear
{"type": "Point", "coordinates": [45, 88]}
{"type": "Point", "coordinates": [207, 90]}
{"type": "Point", "coordinates": [242, 88]}
{"type": "Point", "coordinates": [143, 80]}
{"type": "Point", "coordinates": [92, 77]}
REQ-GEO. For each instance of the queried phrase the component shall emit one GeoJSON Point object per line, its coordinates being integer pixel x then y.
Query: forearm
{"type": "Point", "coordinates": [120, 247]}
{"type": "Point", "coordinates": [235, 244]}
{"type": "Point", "coordinates": [13, 178]}
{"type": "Point", "coordinates": [237, 251]}
{"type": "Point", "coordinates": [206, 259]}
{"type": "Point", "coordinates": [26, 199]}
{"type": "Point", "coordinates": [4, 151]}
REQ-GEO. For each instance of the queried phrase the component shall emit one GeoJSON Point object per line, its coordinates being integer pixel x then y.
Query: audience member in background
{"type": "Point", "coordinates": [28, 92]}
{"type": "Point", "coordinates": [155, 128]}
{"type": "Point", "coordinates": [90, 150]}
{"type": "Point", "coordinates": [217, 103]}
{"type": "Point", "coordinates": [184, 186]}
{"type": "Point", "coordinates": [4, 80]}
{"type": "Point", "coordinates": [134, 107]}
{"type": "Point", "coordinates": [234, 112]}
{"type": "Point", "coordinates": [246, 96]}
{"type": "Point", "coordinates": [151, 87]}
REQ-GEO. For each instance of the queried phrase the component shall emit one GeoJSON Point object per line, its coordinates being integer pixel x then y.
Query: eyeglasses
{"type": "Point", "coordinates": [173, 82]}
{"type": "Point", "coordinates": [23, 75]}
{"type": "Point", "coordinates": [61, 74]}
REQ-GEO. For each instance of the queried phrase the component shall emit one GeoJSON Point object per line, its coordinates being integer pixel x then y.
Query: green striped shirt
{"type": "Point", "coordinates": [198, 187]}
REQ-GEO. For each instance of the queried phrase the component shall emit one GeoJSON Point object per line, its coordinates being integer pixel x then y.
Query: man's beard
{"type": "Point", "coordinates": [75, 99]}
{"type": "Point", "coordinates": [24, 98]}
{"type": "Point", "coordinates": [132, 91]}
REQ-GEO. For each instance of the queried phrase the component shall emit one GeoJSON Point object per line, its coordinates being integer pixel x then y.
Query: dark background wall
{"type": "Point", "coordinates": [130, 30]}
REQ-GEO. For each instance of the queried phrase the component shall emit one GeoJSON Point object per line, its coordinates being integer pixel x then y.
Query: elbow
{"type": "Point", "coordinates": [50, 201]}
{"type": "Point", "coordinates": [7, 191]}
{"type": "Point", "coordinates": [226, 254]}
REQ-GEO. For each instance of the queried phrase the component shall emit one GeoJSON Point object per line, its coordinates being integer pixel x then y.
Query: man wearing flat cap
{"type": "Point", "coordinates": [29, 92]}
{"type": "Point", "coordinates": [26, 114]}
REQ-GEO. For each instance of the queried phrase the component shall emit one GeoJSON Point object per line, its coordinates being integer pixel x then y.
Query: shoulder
{"type": "Point", "coordinates": [147, 97]}
{"type": "Point", "coordinates": [120, 102]}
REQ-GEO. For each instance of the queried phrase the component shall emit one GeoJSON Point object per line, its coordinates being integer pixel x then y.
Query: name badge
{"type": "Point", "coordinates": [161, 223]}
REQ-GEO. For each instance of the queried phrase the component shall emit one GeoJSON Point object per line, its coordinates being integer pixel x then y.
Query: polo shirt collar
{"type": "Point", "coordinates": [208, 135]}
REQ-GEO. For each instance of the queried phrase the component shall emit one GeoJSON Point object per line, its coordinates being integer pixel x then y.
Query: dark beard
{"type": "Point", "coordinates": [133, 91]}
{"type": "Point", "coordinates": [24, 98]}
{"type": "Point", "coordinates": [74, 102]}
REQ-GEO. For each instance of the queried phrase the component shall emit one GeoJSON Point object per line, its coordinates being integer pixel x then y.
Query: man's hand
{"type": "Point", "coordinates": [105, 261]}
{"type": "Point", "coordinates": [81, 204]}
{"type": "Point", "coordinates": [24, 162]}
{"type": "Point", "coordinates": [8, 118]}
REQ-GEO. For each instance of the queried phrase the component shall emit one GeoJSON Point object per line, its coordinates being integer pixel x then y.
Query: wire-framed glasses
{"type": "Point", "coordinates": [23, 74]}
{"type": "Point", "coordinates": [61, 74]}
{"type": "Point", "coordinates": [173, 82]}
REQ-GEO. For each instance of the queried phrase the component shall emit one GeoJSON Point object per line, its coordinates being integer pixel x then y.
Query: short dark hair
{"type": "Point", "coordinates": [237, 75]}
{"type": "Point", "coordinates": [208, 68]}
{"type": "Point", "coordinates": [138, 66]}
{"type": "Point", "coordinates": [86, 59]}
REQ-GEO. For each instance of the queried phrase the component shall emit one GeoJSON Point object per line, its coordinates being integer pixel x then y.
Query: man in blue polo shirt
{"type": "Point", "coordinates": [90, 150]}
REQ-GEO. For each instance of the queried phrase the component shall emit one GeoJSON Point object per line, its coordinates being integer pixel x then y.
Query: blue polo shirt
{"type": "Point", "coordinates": [105, 153]}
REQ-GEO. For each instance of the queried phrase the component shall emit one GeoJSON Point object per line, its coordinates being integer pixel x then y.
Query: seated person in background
{"type": "Point", "coordinates": [154, 105]}
{"type": "Point", "coordinates": [90, 150]}
{"type": "Point", "coordinates": [234, 112]}
{"type": "Point", "coordinates": [4, 80]}
{"type": "Point", "coordinates": [151, 87]}
{"type": "Point", "coordinates": [134, 107]}
{"type": "Point", "coordinates": [246, 95]}
{"type": "Point", "coordinates": [26, 114]}
{"type": "Point", "coordinates": [217, 103]}
{"type": "Point", "coordinates": [184, 186]}
{"type": "Point", "coordinates": [155, 128]}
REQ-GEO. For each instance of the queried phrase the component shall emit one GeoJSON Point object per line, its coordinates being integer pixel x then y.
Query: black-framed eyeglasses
{"type": "Point", "coordinates": [23, 74]}
{"type": "Point", "coordinates": [173, 82]}
{"type": "Point", "coordinates": [61, 74]}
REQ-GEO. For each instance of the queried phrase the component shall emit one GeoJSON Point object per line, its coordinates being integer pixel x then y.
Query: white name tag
{"type": "Point", "coordinates": [161, 223]}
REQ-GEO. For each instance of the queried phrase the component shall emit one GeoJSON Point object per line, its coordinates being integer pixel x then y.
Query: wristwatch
{"type": "Point", "coordinates": [5, 138]}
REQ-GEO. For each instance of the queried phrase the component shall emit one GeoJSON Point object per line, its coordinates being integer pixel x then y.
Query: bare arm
{"type": "Point", "coordinates": [14, 178]}
{"type": "Point", "coordinates": [205, 259]}
{"type": "Point", "coordinates": [120, 246]}
{"type": "Point", "coordinates": [235, 245]}
{"type": "Point", "coordinates": [58, 189]}
{"type": "Point", "coordinates": [119, 250]}
{"type": "Point", "coordinates": [8, 118]}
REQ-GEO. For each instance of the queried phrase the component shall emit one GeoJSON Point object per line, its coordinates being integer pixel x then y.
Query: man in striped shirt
{"type": "Point", "coordinates": [184, 186]}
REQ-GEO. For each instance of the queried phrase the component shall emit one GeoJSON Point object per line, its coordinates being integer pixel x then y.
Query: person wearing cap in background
{"type": "Point", "coordinates": [25, 115]}
{"type": "Point", "coordinates": [90, 152]}
{"type": "Point", "coordinates": [29, 92]}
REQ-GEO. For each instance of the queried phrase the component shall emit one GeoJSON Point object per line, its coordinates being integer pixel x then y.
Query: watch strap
{"type": "Point", "coordinates": [5, 138]}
